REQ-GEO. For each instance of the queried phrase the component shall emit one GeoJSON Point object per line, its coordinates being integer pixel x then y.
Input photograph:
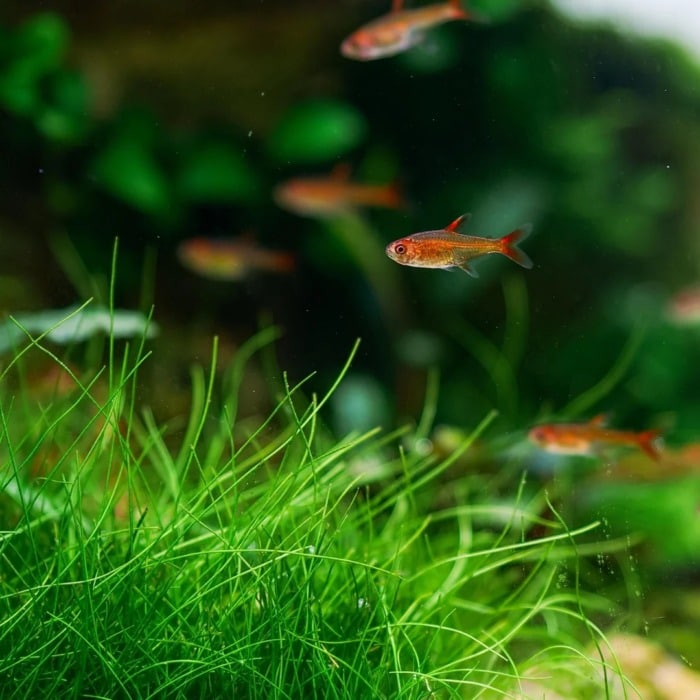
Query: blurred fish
{"type": "Point", "coordinates": [684, 307]}
{"type": "Point", "coordinates": [585, 438]}
{"type": "Point", "coordinates": [445, 248]}
{"type": "Point", "coordinates": [399, 29]}
{"type": "Point", "coordinates": [231, 259]}
{"type": "Point", "coordinates": [674, 463]}
{"type": "Point", "coordinates": [332, 194]}
{"type": "Point", "coordinates": [53, 382]}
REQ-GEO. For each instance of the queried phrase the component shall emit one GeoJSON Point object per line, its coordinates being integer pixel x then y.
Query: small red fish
{"type": "Point", "coordinates": [333, 194]}
{"type": "Point", "coordinates": [231, 259]}
{"type": "Point", "coordinates": [445, 248]}
{"type": "Point", "coordinates": [585, 438]}
{"type": "Point", "coordinates": [399, 29]}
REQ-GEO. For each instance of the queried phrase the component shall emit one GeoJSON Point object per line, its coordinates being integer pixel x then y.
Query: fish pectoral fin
{"type": "Point", "coordinates": [468, 269]}
{"type": "Point", "coordinates": [459, 222]}
{"type": "Point", "coordinates": [462, 260]}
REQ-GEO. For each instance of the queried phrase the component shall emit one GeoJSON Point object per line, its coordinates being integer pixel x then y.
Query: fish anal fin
{"type": "Point", "coordinates": [459, 222]}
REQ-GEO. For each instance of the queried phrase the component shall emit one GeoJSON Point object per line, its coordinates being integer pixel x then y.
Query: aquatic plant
{"type": "Point", "coordinates": [264, 557]}
{"type": "Point", "coordinates": [274, 553]}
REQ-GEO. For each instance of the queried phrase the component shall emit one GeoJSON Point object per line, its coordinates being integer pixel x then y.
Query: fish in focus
{"type": "Point", "coordinates": [333, 194]}
{"type": "Point", "coordinates": [231, 259]}
{"type": "Point", "coordinates": [586, 438]}
{"type": "Point", "coordinates": [399, 29]}
{"type": "Point", "coordinates": [445, 248]}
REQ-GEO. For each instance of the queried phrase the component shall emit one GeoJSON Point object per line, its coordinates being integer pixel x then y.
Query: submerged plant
{"type": "Point", "coordinates": [266, 559]}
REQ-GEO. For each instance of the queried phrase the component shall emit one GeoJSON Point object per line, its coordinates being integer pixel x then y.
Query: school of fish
{"type": "Point", "coordinates": [335, 193]}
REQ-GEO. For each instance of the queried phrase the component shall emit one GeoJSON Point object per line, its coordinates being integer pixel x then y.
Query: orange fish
{"type": "Point", "coordinates": [585, 438]}
{"type": "Point", "coordinates": [684, 307]}
{"type": "Point", "coordinates": [231, 259]}
{"type": "Point", "coordinates": [446, 248]}
{"type": "Point", "coordinates": [399, 29]}
{"type": "Point", "coordinates": [333, 194]}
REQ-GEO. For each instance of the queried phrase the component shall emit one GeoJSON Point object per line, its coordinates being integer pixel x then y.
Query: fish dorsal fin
{"type": "Point", "coordinates": [341, 172]}
{"type": "Point", "coordinates": [599, 421]}
{"type": "Point", "coordinates": [459, 222]}
{"type": "Point", "coordinates": [396, 5]}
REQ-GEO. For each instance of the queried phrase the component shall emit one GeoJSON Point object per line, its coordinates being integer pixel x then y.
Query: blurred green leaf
{"type": "Point", "coordinates": [42, 43]}
{"type": "Point", "coordinates": [217, 173]}
{"type": "Point", "coordinates": [583, 143]}
{"type": "Point", "coordinates": [128, 170]}
{"type": "Point", "coordinates": [28, 55]}
{"type": "Point", "coordinates": [665, 513]}
{"type": "Point", "coordinates": [495, 10]}
{"type": "Point", "coordinates": [317, 131]}
{"type": "Point", "coordinates": [33, 84]}
{"type": "Point", "coordinates": [18, 90]}
{"type": "Point", "coordinates": [66, 117]}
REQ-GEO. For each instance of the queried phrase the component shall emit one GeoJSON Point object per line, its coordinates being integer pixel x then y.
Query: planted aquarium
{"type": "Point", "coordinates": [349, 350]}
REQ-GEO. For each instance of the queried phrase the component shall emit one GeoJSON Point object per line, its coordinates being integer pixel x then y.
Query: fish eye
{"type": "Point", "coordinates": [399, 248]}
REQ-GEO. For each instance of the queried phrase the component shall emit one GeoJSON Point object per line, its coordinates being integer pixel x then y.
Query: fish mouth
{"type": "Point", "coordinates": [349, 48]}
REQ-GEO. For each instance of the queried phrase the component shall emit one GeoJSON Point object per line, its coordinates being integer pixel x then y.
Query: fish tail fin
{"type": "Point", "coordinates": [391, 196]}
{"type": "Point", "coordinates": [647, 443]}
{"type": "Point", "coordinates": [509, 246]}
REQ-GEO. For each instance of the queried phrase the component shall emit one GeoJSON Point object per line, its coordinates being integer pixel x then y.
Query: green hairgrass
{"type": "Point", "coordinates": [612, 377]}
{"type": "Point", "coordinates": [268, 559]}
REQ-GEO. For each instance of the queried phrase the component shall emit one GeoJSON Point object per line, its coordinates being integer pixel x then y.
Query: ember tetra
{"type": "Point", "coordinates": [445, 248]}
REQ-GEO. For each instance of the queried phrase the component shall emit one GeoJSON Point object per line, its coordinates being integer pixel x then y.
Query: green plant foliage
{"type": "Point", "coordinates": [34, 83]}
{"type": "Point", "coordinates": [316, 131]}
{"type": "Point", "coordinates": [64, 116]}
{"type": "Point", "coordinates": [129, 170]}
{"type": "Point", "coordinates": [27, 56]}
{"type": "Point", "coordinates": [217, 172]}
{"type": "Point", "coordinates": [435, 557]}
{"type": "Point", "coordinates": [494, 10]}
{"type": "Point", "coordinates": [666, 513]}
{"type": "Point", "coordinates": [267, 560]}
